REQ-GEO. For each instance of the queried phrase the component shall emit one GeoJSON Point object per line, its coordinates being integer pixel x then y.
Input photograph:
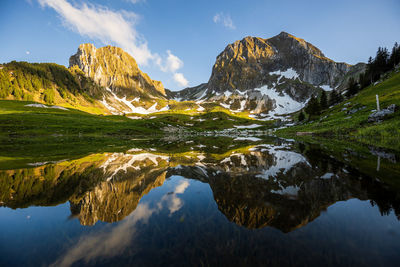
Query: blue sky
{"type": "Point", "coordinates": [177, 41]}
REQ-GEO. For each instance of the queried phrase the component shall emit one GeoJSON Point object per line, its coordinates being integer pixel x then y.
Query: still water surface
{"type": "Point", "coordinates": [276, 203]}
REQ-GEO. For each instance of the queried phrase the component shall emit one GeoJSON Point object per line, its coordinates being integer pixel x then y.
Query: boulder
{"type": "Point", "coordinates": [378, 116]}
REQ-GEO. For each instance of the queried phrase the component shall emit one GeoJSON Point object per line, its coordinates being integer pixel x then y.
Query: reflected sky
{"type": "Point", "coordinates": [276, 204]}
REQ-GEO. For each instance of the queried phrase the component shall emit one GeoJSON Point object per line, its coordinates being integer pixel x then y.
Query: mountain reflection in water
{"type": "Point", "coordinates": [282, 185]}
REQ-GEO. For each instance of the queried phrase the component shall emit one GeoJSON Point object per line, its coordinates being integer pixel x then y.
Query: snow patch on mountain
{"type": "Point", "coordinates": [203, 95]}
{"type": "Point", "coordinates": [284, 104]}
{"type": "Point", "coordinates": [166, 108]}
{"type": "Point", "coordinates": [326, 87]}
{"type": "Point", "coordinates": [110, 108]}
{"type": "Point", "coordinates": [227, 94]}
{"type": "Point", "coordinates": [247, 138]}
{"type": "Point", "coordinates": [288, 74]}
{"type": "Point", "coordinates": [225, 105]}
{"type": "Point", "coordinates": [44, 106]}
{"type": "Point", "coordinates": [252, 126]}
{"type": "Point", "coordinates": [132, 108]}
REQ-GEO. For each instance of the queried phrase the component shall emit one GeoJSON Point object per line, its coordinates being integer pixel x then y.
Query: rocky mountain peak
{"type": "Point", "coordinates": [272, 76]}
{"type": "Point", "coordinates": [285, 41]}
{"type": "Point", "coordinates": [114, 68]}
{"type": "Point", "coordinates": [245, 64]}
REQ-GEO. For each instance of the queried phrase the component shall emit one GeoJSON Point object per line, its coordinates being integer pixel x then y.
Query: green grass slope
{"type": "Point", "coordinates": [49, 83]}
{"type": "Point", "coordinates": [19, 120]}
{"type": "Point", "coordinates": [339, 121]}
{"type": "Point", "coordinates": [16, 119]}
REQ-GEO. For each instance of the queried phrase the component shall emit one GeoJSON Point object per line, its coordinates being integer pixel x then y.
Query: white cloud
{"type": "Point", "coordinates": [112, 241]}
{"type": "Point", "coordinates": [27, 52]}
{"type": "Point", "coordinates": [180, 79]}
{"type": "Point", "coordinates": [108, 242]}
{"type": "Point", "coordinates": [173, 63]}
{"type": "Point", "coordinates": [172, 201]}
{"type": "Point", "coordinates": [224, 19]}
{"type": "Point", "coordinates": [113, 27]}
{"type": "Point", "coordinates": [181, 188]}
{"type": "Point", "coordinates": [136, 1]}
{"type": "Point", "coordinates": [108, 26]}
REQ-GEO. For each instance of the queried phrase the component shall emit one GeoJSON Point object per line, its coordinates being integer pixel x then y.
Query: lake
{"type": "Point", "coordinates": [202, 201]}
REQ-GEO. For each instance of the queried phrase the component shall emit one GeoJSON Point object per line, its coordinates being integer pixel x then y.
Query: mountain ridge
{"type": "Point", "coordinates": [266, 78]}
{"type": "Point", "coordinates": [250, 74]}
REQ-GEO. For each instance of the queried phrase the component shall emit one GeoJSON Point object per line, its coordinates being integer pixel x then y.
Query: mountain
{"type": "Point", "coordinates": [128, 89]}
{"type": "Point", "coordinates": [268, 76]}
{"type": "Point", "coordinates": [112, 67]}
{"type": "Point", "coordinates": [100, 81]}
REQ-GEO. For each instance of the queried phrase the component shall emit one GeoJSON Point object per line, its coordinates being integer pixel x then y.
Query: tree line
{"type": "Point", "coordinates": [24, 81]}
{"type": "Point", "coordinates": [383, 62]}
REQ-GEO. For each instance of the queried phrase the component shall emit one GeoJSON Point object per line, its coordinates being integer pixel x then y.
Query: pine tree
{"type": "Point", "coordinates": [313, 107]}
{"type": "Point", "coordinates": [301, 116]}
{"type": "Point", "coordinates": [333, 98]}
{"type": "Point", "coordinates": [4, 84]}
{"type": "Point", "coordinates": [17, 93]}
{"type": "Point", "coordinates": [369, 70]}
{"type": "Point", "coordinates": [340, 98]}
{"type": "Point", "coordinates": [352, 87]}
{"type": "Point", "coordinates": [380, 64]}
{"type": "Point", "coordinates": [397, 55]}
{"type": "Point", "coordinates": [394, 56]}
{"type": "Point", "coordinates": [48, 96]}
{"type": "Point", "coordinates": [323, 102]}
{"type": "Point", "coordinates": [363, 80]}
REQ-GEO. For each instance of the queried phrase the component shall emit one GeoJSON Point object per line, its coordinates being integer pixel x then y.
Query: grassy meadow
{"type": "Point", "coordinates": [340, 122]}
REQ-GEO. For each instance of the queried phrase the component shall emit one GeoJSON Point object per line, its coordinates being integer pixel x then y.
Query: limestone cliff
{"type": "Point", "coordinates": [254, 62]}
{"type": "Point", "coordinates": [126, 88]}
{"type": "Point", "coordinates": [112, 67]}
{"type": "Point", "coordinates": [270, 77]}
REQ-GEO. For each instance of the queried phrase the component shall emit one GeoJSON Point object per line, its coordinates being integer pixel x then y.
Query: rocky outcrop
{"type": "Point", "coordinates": [112, 67]}
{"type": "Point", "coordinates": [354, 72]}
{"type": "Point", "coordinates": [190, 93]}
{"type": "Point", "coordinates": [378, 116]}
{"type": "Point", "coordinates": [126, 89]}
